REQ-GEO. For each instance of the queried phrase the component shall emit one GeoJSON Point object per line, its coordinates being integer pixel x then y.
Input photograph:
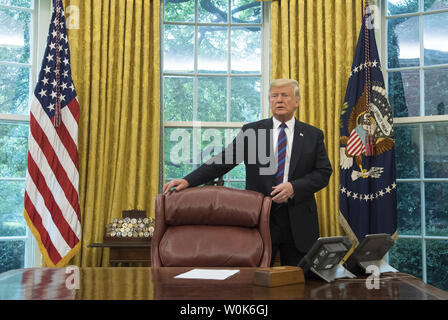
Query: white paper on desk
{"type": "Point", "coordinates": [209, 274]}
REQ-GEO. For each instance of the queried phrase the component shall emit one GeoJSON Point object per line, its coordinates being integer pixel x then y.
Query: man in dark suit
{"type": "Point", "coordinates": [285, 159]}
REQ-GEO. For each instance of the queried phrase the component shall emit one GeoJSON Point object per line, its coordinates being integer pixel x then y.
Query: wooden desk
{"type": "Point", "coordinates": [159, 284]}
{"type": "Point", "coordinates": [127, 253]}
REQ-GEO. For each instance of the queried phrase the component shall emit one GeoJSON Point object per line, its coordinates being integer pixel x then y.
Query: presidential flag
{"type": "Point", "coordinates": [52, 207]}
{"type": "Point", "coordinates": [368, 189]}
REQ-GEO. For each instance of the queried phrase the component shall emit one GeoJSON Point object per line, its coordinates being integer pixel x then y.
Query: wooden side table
{"type": "Point", "coordinates": [127, 253]}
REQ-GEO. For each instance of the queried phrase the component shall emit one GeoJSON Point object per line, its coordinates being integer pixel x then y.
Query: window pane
{"type": "Point", "coordinates": [409, 208]}
{"type": "Point", "coordinates": [245, 99]}
{"type": "Point", "coordinates": [207, 142]}
{"type": "Point", "coordinates": [436, 152]}
{"type": "Point", "coordinates": [211, 142]}
{"type": "Point", "coordinates": [246, 11]}
{"type": "Point", "coordinates": [435, 38]}
{"type": "Point", "coordinates": [212, 99]}
{"type": "Point", "coordinates": [12, 222]}
{"type": "Point", "coordinates": [18, 3]}
{"type": "Point", "coordinates": [437, 260]}
{"type": "Point", "coordinates": [236, 184]}
{"type": "Point", "coordinates": [178, 49]}
{"type": "Point", "coordinates": [179, 11]}
{"type": "Point", "coordinates": [13, 150]}
{"type": "Point", "coordinates": [15, 35]}
{"type": "Point", "coordinates": [178, 152]}
{"type": "Point", "coordinates": [436, 93]}
{"type": "Point", "coordinates": [239, 172]}
{"type": "Point", "coordinates": [407, 144]}
{"type": "Point", "coordinates": [404, 93]}
{"type": "Point", "coordinates": [12, 255]}
{"type": "Point", "coordinates": [178, 98]}
{"type": "Point", "coordinates": [231, 134]}
{"type": "Point", "coordinates": [212, 49]}
{"type": "Point", "coordinates": [406, 256]}
{"type": "Point", "coordinates": [436, 210]}
{"type": "Point", "coordinates": [14, 89]}
{"type": "Point", "coordinates": [401, 6]}
{"type": "Point", "coordinates": [435, 5]}
{"type": "Point", "coordinates": [209, 91]}
{"type": "Point", "coordinates": [246, 50]}
{"type": "Point", "coordinates": [214, 11]}
{"type": "Point", "coordinates": [403, 46]}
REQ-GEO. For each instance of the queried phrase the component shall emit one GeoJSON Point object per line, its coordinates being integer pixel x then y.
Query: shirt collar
{"type": "Point", "coordinates": [290, 123]}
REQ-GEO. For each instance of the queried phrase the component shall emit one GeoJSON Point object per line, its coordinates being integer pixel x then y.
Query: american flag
{"type": "Point", "coordinates": [368, 191]}
{"type": "Point", "coordinates": [52, 208]}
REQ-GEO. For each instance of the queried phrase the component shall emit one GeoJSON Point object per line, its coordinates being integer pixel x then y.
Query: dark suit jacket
{"type": "Point", "coordinates": [309, 171]}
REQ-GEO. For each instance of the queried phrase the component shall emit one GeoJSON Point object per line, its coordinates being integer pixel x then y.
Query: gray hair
{"type": "Point", "coordinates": [286, 82]}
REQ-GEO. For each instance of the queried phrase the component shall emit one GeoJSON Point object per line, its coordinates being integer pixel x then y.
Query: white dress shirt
{"type": "Point", "coordinates": [289, 130]}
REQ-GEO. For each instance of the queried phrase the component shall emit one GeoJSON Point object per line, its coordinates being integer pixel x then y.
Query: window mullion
{"type": "Point", "coordinates": [422, 201]}
{"type": "Point", "coordinates": [195, 67]}
{"type": "Point", "coordinates": [10, 7]}
{"type": "Point", "coordinates": [422, 60]}
{"type": "Point", "coordinates": [229, 61]}
{"type": "Point", "coordinates": [421, 137]}
{"type": "Point", "coordinates": [33, 54]}
{"type": "Point", "coordinates": [265, 65]}
{"type": "Point", "coordinates": [415, 14]}
{"type": "Point", "coordinates": [195, 130]}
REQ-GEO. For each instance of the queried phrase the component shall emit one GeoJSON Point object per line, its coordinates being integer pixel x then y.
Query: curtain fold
{"type": "Point", "coordinates": [314, 42]}
{"type": "Point", "coordinates": [115, 61]}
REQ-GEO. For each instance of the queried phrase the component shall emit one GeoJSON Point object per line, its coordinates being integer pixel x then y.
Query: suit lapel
{"type": "Point", "coordinates": [296, 148]}
{"type": "Point", "coordinates": [268, 126]}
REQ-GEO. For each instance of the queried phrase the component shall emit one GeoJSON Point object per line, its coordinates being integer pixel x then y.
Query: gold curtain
{"type": "Point", "coordinates": [314, 43]}
{"type": "Point", "coordinates": [115, 61]}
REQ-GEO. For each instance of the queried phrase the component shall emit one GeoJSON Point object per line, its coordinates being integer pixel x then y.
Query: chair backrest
{"type": "Point", "coordinates": [212, 227]}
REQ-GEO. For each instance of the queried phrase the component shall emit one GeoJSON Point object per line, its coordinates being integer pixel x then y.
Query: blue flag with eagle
{"type": "Point", "coordinates": [368, 189]}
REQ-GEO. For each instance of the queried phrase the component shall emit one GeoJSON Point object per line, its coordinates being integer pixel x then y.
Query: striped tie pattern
{"type": "Point", "coordinates": [281, 154]}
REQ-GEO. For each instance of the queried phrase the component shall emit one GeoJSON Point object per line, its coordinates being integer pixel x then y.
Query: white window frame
{"type": "Point", "coordinates": [419, 120]}
{"type": "Point", "coordinates": [264, 74]}
{"type": "Point", "coordinates": [40, 17]}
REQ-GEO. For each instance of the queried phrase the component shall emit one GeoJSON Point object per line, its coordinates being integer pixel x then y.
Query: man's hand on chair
{"type": "Point", "coordinates": [178, 185]}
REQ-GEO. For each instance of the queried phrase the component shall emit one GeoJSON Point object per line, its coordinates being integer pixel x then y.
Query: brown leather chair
{"type": "Point", "coordinates": [212, 227]}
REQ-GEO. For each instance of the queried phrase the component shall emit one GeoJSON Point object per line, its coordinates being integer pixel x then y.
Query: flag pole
{"type": "Point", "coordinates": [367, 56]}
{"type": "Point", "coordinates": [369, 135]}
{"type": "Point", "coordinates": [57, 114]}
